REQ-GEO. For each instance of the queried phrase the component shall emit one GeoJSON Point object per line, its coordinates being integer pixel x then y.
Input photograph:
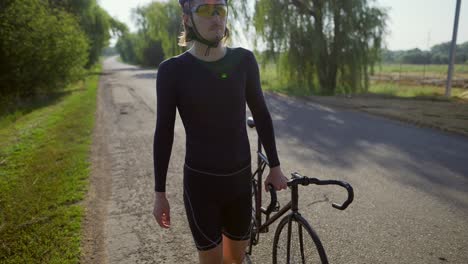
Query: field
{"type": "Point", "coordinates": [424, 75]}
{"type": "Point", "coordinates": [409, 100]}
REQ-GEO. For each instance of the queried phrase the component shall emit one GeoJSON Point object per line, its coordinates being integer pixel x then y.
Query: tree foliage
{"type": "Point", "coordinates": [94, 21]}
{"type": "Point", "coordinates": [165, 24]}
{"type": "Point", "coordinates": [320, 43]}
{"type": "Point", "coordinates": [159, 25]}
{"type": "Point", "coordinates": [40, 49]}
{"type": "Point", "coordinates": [438, 54]}
{"type": "Point", "coordinates": [46, 44]}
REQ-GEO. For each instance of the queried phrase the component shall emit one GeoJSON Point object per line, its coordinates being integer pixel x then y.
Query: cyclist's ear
{"type": "Point", "coordinates": [186, 20]}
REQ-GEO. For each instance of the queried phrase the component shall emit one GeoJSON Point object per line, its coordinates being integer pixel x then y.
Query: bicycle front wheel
{"type": "Point", "coordinates": [296, 242]}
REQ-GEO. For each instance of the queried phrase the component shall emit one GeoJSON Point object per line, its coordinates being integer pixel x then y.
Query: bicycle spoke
{"type": "Point", "coordinates": [299, 249]}
{"type": "Point", "coordinates": [301, 241]}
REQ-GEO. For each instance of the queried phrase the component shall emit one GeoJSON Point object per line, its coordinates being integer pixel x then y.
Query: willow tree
{"type": "Point", "coordinates": [321, 44]}
{"type": "Point", "coordinates": [165, 24]}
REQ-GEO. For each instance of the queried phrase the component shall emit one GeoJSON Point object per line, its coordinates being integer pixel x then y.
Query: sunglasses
{"type": "Point", "coordinates": [209, 10]}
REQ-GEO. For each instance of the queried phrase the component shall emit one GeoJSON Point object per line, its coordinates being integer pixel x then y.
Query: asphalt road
{"type": "Point", "coordinates": [410, 183]}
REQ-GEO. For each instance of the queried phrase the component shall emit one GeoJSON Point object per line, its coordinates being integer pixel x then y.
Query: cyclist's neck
{"type": "Point", "coordinates": [198, 50]}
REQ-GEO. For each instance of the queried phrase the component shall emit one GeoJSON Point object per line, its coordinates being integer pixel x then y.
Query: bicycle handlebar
{"type": "Point", "coordinates": [273, 201]}
{"type": "Point", "coordinates": [303, 180]}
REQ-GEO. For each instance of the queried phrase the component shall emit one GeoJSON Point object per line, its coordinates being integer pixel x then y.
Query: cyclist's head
{"type": "Point", "coordinates": [209, 17]}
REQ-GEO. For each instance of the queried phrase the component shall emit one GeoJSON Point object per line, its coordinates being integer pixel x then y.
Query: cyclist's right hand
{"type": "Point", "coordinates": [161, 210]}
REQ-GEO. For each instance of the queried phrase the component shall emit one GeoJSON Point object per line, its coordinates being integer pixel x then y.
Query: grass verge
{"type": "Point", "coordinates": [408, 91]}
{"type": "Point", "coordinates": [44, 169]}
{"type": "Point", "coordinates": [460, 70]}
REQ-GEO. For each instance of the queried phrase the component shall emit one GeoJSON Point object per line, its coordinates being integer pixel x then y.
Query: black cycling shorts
{"type": "Point", "coordinates": [218, 204]}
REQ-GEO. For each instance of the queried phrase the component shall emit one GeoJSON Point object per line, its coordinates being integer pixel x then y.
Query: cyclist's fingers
{"type": "Point", "coordinates": [278, 186]}
{"type": "Point", "coordinates": [168, 217]}
{"type": "Point", "coordinates": [267, 186]}
{"type": "Point", "coordinates": [284, 183]}
{"type": "Point", "coordinates": [158, 219]}
{"type": "Point", "coordinates": [281, 187]}
{"type": "Point", "coordinates": [166, 220]}
{"type": "Point", "coordinates": [161, 217]}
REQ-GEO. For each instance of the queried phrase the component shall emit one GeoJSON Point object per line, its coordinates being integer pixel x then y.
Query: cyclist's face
{"type": "Point", "coordinates": [210, 27]}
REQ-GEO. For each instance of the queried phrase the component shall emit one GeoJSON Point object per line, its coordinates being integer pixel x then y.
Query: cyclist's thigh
{"type": "Point", "coordinates": [236, 212]}
{"type": "Point", "coordinates": [202, 210]}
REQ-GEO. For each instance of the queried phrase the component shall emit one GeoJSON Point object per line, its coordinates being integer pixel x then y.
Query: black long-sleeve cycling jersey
{"type": "Point", "coordinates": [212, 108]}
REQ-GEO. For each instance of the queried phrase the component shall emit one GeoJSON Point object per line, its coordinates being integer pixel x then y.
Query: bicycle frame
{"type": "Point", "coordinates": [292, 205]}
{"type": "Point", "coordinates": [262, 162]}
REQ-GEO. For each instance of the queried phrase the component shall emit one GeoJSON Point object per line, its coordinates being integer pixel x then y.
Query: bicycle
{"type": "Point", "coordinates": [293, 218]}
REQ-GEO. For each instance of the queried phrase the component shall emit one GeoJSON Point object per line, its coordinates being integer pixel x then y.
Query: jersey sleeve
{"type": "Point", "coordinates": [258, 107]}
{"type": "Point", "coordinates": [165, 119]}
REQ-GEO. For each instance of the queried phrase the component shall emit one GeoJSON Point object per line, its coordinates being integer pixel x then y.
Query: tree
{"type": "Point", "coordinates": [440, 53]}
{"type": "Point", "coordinates": [46, 44]}
{"type": "Point", "coordinates": [320, 42]}
{"type": "Point", "coordinates": [416, 56]}
{"type": "Point", "coordinates": [126, 47]}
{"type": "Point", "coordinates": [164, 23]}
{"type": "Point", "coordinates": [40, 49]}
{"type": "Point", "coordinates": [94, 21]}
{"type": "Point", "coordinates": [462, 53]}
{"type": "Point", "coordinates": [158, 28]}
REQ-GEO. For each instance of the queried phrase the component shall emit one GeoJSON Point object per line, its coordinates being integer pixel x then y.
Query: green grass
{"type": "Point", "coordinates": [44, 169]}
{"type": "Point", "coordinates": [430, 70]}
{"type": "Point", "coordinates": [268, 77]}
{"type": "Point", "coordinates": [408, 91]}
{"type": "Point", "coordinates": [271, 82]}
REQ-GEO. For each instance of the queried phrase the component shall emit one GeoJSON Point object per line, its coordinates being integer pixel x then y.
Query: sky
{"type": "Point", "coordinates": [412, 23]}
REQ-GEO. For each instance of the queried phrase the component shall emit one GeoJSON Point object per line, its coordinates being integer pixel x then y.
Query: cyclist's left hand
{"type": "Point", "coordinates": [276, 178]}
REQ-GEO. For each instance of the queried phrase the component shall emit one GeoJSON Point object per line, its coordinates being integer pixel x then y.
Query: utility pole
{"type": "Point", "coordinates": [448, 89]}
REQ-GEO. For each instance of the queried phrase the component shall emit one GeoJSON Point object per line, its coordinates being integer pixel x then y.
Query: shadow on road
{"type": "Point", "coordinates": [426, 154]}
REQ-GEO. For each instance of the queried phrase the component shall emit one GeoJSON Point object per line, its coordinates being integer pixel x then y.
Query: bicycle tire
{"type": "Point", "coordinates": [308, 253]}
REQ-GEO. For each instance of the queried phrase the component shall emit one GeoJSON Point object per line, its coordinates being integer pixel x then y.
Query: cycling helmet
{"type": "Point", "coordinates": [198, 36]}
{"type": "Point", "coordinates": [182, 2]}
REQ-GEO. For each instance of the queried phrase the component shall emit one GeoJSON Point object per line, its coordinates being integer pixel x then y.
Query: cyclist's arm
{"type": "Point", "coordinates": [165, 118]}
{"type": "Point", "coordinates": [259, 109]}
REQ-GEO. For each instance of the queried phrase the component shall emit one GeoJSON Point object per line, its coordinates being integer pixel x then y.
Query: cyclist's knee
{"type": "Point", "coordinates": [211, 256]}
{"type": "Point", "coordinates": [233, 251]}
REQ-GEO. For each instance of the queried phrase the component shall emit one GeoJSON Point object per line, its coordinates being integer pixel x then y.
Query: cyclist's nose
{"type": "Point", "coordinates": [217, 17]}
{"type": "Point", "coordinates": [216, 14]}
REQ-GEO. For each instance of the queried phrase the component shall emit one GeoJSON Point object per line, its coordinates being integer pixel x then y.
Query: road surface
{"type": "Point", "coordinates": [410, 183]}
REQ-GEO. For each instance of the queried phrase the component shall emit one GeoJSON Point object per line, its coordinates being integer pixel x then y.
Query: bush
{"type": "Point", "coordinates": [41, 49]}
